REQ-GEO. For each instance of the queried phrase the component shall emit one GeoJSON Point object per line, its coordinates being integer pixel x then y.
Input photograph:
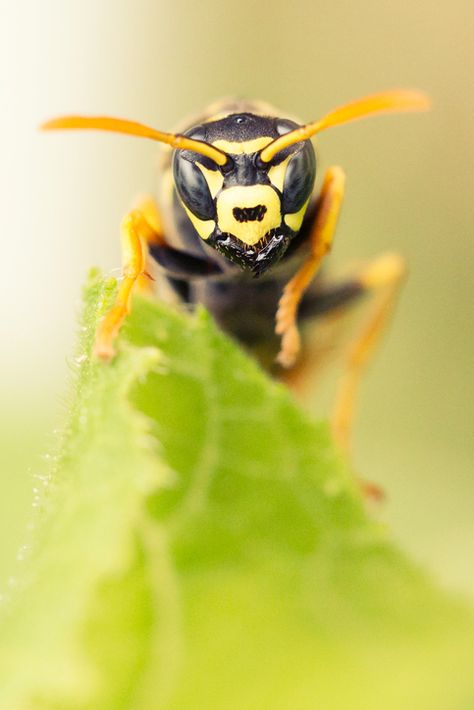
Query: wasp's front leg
{"type": "Point", "coordinates": [320, 240]}
{"type": "Point", "coordinates": [139, 228]}
{"type": "Point", "coordinates": [143, 241]}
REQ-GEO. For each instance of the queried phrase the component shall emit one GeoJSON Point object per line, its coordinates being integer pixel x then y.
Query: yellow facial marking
{"type": "Point", "coordinates": [241, 197]}
{"type": "Point", "coordinates": [214, 179]}
{"type": "Point", "coordinates": [295, 219]}
{"type": "Point", "coordinates": [204, 227]}
{"type": "Point", "coordinates": [277, 173]}
{"type": "Point", "coordinates": [245, 147]}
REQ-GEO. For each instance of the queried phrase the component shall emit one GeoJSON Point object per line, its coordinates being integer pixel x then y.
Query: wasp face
{"type": "Point", "coordinates": [247, 210]}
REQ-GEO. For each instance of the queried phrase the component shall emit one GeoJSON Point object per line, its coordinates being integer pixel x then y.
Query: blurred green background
{"type": "Point", "coordinates": [409, 189]}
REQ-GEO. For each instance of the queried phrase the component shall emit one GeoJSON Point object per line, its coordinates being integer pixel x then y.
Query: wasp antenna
{"type": "Point", "coordinates": [131, 128]}
{"type": "Point", "coordinates": [394, 101]}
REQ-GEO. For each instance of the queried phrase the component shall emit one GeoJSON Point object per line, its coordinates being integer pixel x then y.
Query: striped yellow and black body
{"type": "Point", "coordinates": [239, 229]}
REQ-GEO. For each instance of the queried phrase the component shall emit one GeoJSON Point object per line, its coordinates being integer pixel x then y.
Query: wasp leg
{"type": "Point", "coordinates": [380, 278]}
{"type": "Point", "coordinates": [151, 236]}
{"type": "Point", "coordinates": [328, 305]}
{"type": "Point", "coordinates": [320, 240]}
{"type": "Point", "coordinates": [175, 263]}
{"type": "Point", "coordinates": [142, 242]}
{"type": "Point", "coordinates": [136, 231]}
{"type": "Point", "coordinates": [180, 265]}
{"type": "Point", "coordinates": [383, 278]}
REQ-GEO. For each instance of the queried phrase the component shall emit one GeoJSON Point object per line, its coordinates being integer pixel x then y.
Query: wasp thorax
{"type": "Point", "coordinates": [248, 212]}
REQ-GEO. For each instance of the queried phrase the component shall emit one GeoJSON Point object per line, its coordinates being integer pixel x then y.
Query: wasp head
{"type": "Point", "coordinates": [247, 209]}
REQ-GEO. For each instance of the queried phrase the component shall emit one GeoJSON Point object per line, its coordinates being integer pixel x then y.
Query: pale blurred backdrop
{"type": "Point", "coordinates": [409, 188]}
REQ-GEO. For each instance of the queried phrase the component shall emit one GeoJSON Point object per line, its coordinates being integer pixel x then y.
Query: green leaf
{"type": "Point", "coordinates": [199, 544]}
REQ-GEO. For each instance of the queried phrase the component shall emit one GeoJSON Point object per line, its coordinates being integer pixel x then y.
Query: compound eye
{"type": "Point", "coordinates": [299, 180]}
{"type": "Point", "coordinates": [193, 188]}
{"type": "Point", "coordinates": [284, 125]}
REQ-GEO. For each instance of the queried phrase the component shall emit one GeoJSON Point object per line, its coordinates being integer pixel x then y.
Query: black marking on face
{"type": "Point", "coordinates": [245, 172]}
{"type": "Point", "coordinates": [249, 214]}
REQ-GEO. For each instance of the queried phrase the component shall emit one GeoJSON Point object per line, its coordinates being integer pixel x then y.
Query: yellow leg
{"type": "Point", "coordinates": [139, 228]}
{"type": "Point", "coordinates": [383, 276]}
{"type": "Point", "coordinates": [153, 234]}
{"type": "Point", "coordinates": [320, 239]}
{"type": "Point", "coordinates": [146, 205]}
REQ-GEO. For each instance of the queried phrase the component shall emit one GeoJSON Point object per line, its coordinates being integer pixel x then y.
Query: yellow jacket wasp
{"type": "Point", "coordinates": [238, 228]}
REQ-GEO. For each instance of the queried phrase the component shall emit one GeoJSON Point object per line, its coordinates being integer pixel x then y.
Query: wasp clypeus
{"type": "Point", "coordinates": [237, 227]}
